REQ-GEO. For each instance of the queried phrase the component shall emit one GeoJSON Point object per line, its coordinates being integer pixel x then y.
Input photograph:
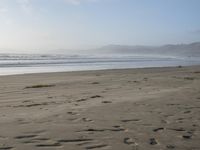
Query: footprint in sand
{"type": "Point", "coordinates": [82, 100]}
{"type": "Point", "coordinates": [22, 121]}
{"type": "Point", "coordinates": [96, 96]}
{"type": "Point", "coordinates": [25, 136]}
{"type": "Point", "coordinates": [85, 142]}
{"type": "Point", "coordinates": [27, 101]}
{"type": "Point", "coordinates": [177, 129]}
{"type": "Point", "coordinates": [39, 141]}
{"type": "Point", "coordinates": [74, 140]}
{"type": "Point", "coordinates": [6, 148]}
{"type": "Point", "coordinates": [103, 130]}
{"type": "Point", "coordinates": [170, 146]}
{"type": "Point", "coordinates": [97, 146]}
{"type": "Point", "coordinates": [87, 120]}
{"type": "Point", "coordinates": [35, 140]}
{"type": "Point", "coordinates": [153, 141]}
{"type": "Point", "coordinates": [72, 113]}
{"type": "Point", "coordinates": [158, 129]}
{"type": "Point", "coordinates": [164, 121]}
{"type": "Point", "coordinates": [130, 120]}
{"type": "Point", "coordinates": [56, 144]}
{"type": "Point", "coordinates": [3, 137]}
{"type": "Point", "coordinates": [106, 102]}
{"type": "Point", "coordinates": [31, 137]}
{"type": "Point", "coordinates": [186, 112]}
{"type": "Point", "coordinates": [128, 141]}
{"type": "Point", "coordinates": [26, 139]}
{"type": "Point", "coordinates": [187, 136]}
{"type": "Point", "coordinates": [95, 83]}
{"type": "Point", "coordinates": [131, 142]}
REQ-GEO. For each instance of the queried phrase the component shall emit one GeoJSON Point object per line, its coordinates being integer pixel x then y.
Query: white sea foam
{"type": "Point", "coordinates": [33, 63]}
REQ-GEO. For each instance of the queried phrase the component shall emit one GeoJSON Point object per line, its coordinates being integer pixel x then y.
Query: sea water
{"type": "Point", "coordinates": [39, 63]}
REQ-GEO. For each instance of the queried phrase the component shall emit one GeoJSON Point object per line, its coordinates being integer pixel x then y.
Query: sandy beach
{"type": "Point", "coordinates": [127, 109]}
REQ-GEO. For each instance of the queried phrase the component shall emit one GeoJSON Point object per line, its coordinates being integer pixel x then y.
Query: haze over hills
{"type": "Point", "coordinates": [183, 50]}
{"type": "Point", "coordinates": [176, 50]}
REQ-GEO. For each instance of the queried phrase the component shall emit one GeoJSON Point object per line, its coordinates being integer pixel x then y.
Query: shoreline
{"type": "Point", "coordinates": [142, 68]}
{"type": "Point", "coordinates": [114, 109]}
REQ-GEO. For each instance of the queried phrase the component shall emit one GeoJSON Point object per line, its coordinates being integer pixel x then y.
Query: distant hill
{"type": "Point", "coordinates": [186, 50]}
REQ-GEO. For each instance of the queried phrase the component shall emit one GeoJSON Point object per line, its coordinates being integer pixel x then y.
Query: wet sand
{"type": "Point", "coordinates": [127, 109]}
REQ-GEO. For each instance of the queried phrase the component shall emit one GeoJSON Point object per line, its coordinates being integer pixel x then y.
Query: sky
{"type": "Point", "coordinates": [50, 25]}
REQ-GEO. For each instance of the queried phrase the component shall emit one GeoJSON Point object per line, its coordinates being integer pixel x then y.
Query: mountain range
{"type": "Point", "coordinates": [186, 50]}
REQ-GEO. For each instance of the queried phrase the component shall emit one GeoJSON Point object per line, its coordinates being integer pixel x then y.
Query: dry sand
{"type": "Point", "coordinates": [130, 109]}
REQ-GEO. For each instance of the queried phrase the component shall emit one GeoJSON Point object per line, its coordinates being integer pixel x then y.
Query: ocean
{"type": "Point", "coordinates": [39, 63]}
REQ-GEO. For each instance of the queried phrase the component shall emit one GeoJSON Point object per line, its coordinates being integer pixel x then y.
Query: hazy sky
{"type": "Point", "coordinates": [27, 25]}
